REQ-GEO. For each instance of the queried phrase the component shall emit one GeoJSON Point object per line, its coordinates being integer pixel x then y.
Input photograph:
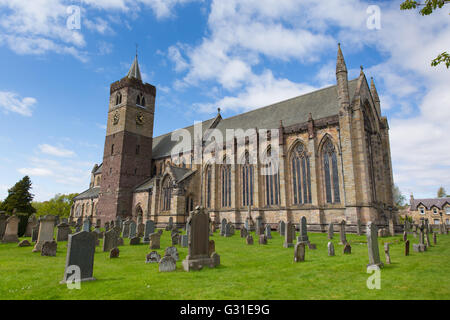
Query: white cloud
{"type": "Point", "coordinates": [55, 151]}
{"type": "Point", "coordinates": [39, 172]}
{"type": "Point", "coordinates": [11, 102]}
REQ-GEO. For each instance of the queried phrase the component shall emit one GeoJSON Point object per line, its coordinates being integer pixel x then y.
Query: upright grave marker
{"type": "Point", "coordinates": [80, 257]}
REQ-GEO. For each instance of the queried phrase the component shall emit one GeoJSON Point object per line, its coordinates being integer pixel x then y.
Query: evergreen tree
{"type": "Point", "coordinates": [19, 198]}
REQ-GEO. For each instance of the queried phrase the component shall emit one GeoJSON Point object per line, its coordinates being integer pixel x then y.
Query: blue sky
{"type": "Point", "coordinates": [237, 55]}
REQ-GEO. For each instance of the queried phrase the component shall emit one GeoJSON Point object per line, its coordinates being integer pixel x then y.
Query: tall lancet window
{"type": "Point", "coordinates": [225, 175]}
{"type": "Point", "coordinates": [301, 175]}
{"type": "Point", "coordinates": [247, 182]}
{"type": "Point", "coordinates": [331, 176]}
{"type": "Point", "coordinates": [166, 194]}
{"type": "Point", "coordinates": [208, 186]}
{"type": "Point", "coordinates": [272, 182]}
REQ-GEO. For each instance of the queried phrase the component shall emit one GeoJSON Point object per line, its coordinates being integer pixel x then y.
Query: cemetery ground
{"type": "Point", "coordinates": [260, 272]}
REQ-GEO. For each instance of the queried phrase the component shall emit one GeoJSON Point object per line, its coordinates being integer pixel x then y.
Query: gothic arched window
{"type": "Point", "coordinates": [301, 175]}
{"type": "Point", "coordinates": [247, 182]}
{"type": "Point", "coordinates": [118, 98]}
{"type": "Point", "coordinates": [167, 194]}
{"type": "Point", "coordinates": [272, 183]}
{"type": "Point", "coordinates": [226, 185]}
{"type": "Point", "coordinates": [331, 176]}
{"type": "Point", "coordinates": [208, 187]}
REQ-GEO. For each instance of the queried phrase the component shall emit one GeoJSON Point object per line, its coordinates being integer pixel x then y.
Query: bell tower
{"type": "Point", "coordinates": [128, 144]}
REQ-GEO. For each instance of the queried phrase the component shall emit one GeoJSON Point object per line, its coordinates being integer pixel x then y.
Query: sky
{"type": "Point", "coordinates": [201, 55]}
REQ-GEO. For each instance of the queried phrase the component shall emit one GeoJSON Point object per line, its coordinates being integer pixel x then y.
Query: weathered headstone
{"type": "Point", "coordinates": [268, 231]}
{"type": "Point", "coordinates": [32, 221]}
{"type": "Point", "coordinates": [80, 254]}
{"type": "Point", "coordinates": [184, 239]}
{"type": "Point", "coordinates": [109, 240]}
{"type": "Point", "coordinates": [347, 248]}
{"type": "Point", "coordinates": [35, 233]}
{"type": "Point", "coordinates": [153, 257]}
{"type": "Point", "coordinates": [45, 232]}
{"type": "Point", "coordinates": [107, 226]}
{"type": "Point", "coordinates": [216, 259]}
{"type": "Point", "coordinates": [135, 241]}
{"type": "Point", "coordinates": [212, 247]}
{"type": "Point", "coordinates": [120, 242]}
{"type": "Point", "coordinates": [169, 224]}
{"type": "Point", "coordinates": [391, 227]}
{"type": "Point", "coordinates": [311, 246]}
{"type": "Point", "coordinates": [434, 238]}
{"type": "Point", "coordinates": [173, 252]}
{"type": "Point", "coordinates": [155, 240]}
{"type": "Point", "coordinates": [223, 226]}
{"type": "Point", "coordinates": [243, 232]}
{"type": "Point", "coordinates": [343, 238]}
{"type": "Point", "coordinates": [198, 245]}
{"type": "Point", "coordinates": [12, 229]}
{"type": "Point", "coordinates": [249, 239]}
{"type": "Point", "coordinates": [24, 243]}
{"type": "Point", "coordinates": [330, 249]}
{"type": "Point", "coordinates": [262, 239]}
{"type": "Point", "coordinates": [140, 229]}
{"type": "Point", "coordinates": [405, 236]}
{"type": "Point", "coordinates": [282, 228]}
{"type": "Point", "coordinates": [63, 231]}
{"type": "Point", "coordinates": [228, 230]}
{"type": "Point", "coordinates": [3, 219]}
{"type": "Point", "coordinates": [175, 239]}
{"type": "Point", "coordinates": [87, 225]}
{"type": "Point", "coordinates": [149, 229]}
{"type": "Point", "coordinates": [330, 231]}
{"type": "Point", "coordinates": [288, 236]}
{"type": "Point", "coordinates": [303, 237]}
{"type": "Point", "coordinates": [132, 233]}
{"type": "Point", "coordinates": [407, 248]}
{"type": "Point", "coordinates": [167, 264]}
{"type": "Point", "coordinates": [126, 229]}
{"type": "Point", "coordinates": [49, 248]}
{"type": "Point", "coordinates": [358, 227]}
{"type": "Point", "coordinates": [114, 253]}
{"type": "Point", "coordinates": [259, 226]}
{"type": "Point", "coordinates": [386, 252]}
{"type": "Point", "coordinates": [299, 252]}
{"type": "Point", "coordinates": [372, 245]}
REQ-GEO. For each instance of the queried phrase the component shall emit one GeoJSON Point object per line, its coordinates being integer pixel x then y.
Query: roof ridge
{"type": "Point", "coordinates": [182, 128]}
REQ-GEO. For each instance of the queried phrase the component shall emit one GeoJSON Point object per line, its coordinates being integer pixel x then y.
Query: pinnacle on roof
{"type": "Point", "coordinates": [134, 70]}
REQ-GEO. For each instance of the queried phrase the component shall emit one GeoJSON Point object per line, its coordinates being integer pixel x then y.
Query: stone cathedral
{"type": "Point", "coordinates": [334, 161]}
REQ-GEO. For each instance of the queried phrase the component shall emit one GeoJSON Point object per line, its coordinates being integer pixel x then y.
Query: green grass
{"type": "Point", "coordinates": [246, 272]}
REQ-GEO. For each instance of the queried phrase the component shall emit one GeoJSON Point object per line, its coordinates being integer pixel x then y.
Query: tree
{"type": "Point", "coordinates": [428, 7]}
{"type": "Point", "coordinates": [441, 193]}
{"type": "Point", "coordinates": [59, 205]}
{"type": "Point", "coordinates": [19, 197]}
{"type": "Point", "coordinates": [399, 198]}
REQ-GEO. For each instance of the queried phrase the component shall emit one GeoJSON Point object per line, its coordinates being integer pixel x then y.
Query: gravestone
{"type": "Point", "coordinates": [259, 226]}
{"type": "Point", "coordinates": [386, 252]}
{"type": "Point", "coordinates": [216, 259]}
{"type": "Point", "coordinates": [149, 229]}
{"type": "Point", "coordinates": [140, 229]}
{"type": "Point", "coordinates": [282, 228]}
{"type": "Point", "coordinates": [135, 241]}
{"type": "Point", "coordinates": [24, 243]}
{"type": "Point", "coordinates": [228, 230]}
{"type": "Point", "coordinates": [303, 237]}
{"type": "Point", "coordinates": [153, 257]}
{"type": "Point", "coordinates": [119, 241]}
{"type": "Point", "coordinates": [223, 226]}
{"type": "Point", "coordinates": [391, 227]}
{"type": "Point", "coordinates": [358, 227]}
{"type": "Point", "coordinates": [32, 221]}
{"type": "Point", "coordinates": [405, 236]}
{"type": "Point", "coordinates": [262, 239]}
{"type": "Point", "coordinates": [198, 244]}
{"type": "Point", "coordinates": [11, 230]}
{"type": "Point", "coordinates": [299, 252]}
{"type": "Point", "coordinates": [330, 231]}
{"type": "Point", "coordinates": [35, 233]}
{"type": "Point", "coordinates": [407, 248]}
{"type": "Point", "coordinates": [427, 238]}
{"type": "Point", "coordinates": [49, 248]}
{"type": "Point", "coordinates": [372, 245]}
{"type": "Point", "coordinates": [114, 253]}
{"type": "Point", "coordinates": [330, 249]}
{"type": "Point", "coordinates": [184, 240]}
{"type": "Point", "coordinates": [434, 238]}
{"type": "Point", "coordinates": [169, 224]}
{"type": "Point", "coordinates": [268, 232]}
{"type": "Point", "coordinates": [3, 218]}
{"type": "Point", "coordinates": [155, 240]}
{"type": "Point", "coordinates": [343, 238]}
{"type": "Point", "coordinates": [347, 248]}
{"type": "Point", "coordinates": [87, 225]}
{"type": "Point", "coordinates": [78, 228]}
{"type": "Point", "coordinates": [109, 240]}
{"type": "Point", "coordinates": [160, 232]}
{"type": "Point", "coordinates": [167, 264]}
{"type": "Point", "coordinates": [126, 228]}
{"type": "Point", "coordinates": [243, 232]}
{"type": "Point", "coordinates": [212, 247]}
{"type": "Point", "coordinates": [80, 253]}
{"type": "Point", "coordinates": [132, 233]}
{"type": "Point", "coordinates": [63, 231]}
{"type": "Point", "coordinates": [311, 246]}
{"type": "Point", "coordinates": [45, 232]}
{"type": "Point", "coordinates": [106, 226]}
{"type": "Point", "coordinates": [173, 252]}
{"type": "Point", "coordinates": [175, 239]}
{"type": "Point", "coordinates": [288, 236]}
{"type": "Point", "coordinates": [249, 239]}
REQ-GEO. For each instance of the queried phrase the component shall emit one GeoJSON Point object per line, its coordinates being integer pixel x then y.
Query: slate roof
{"type": "Point", "coordinates": [321, 103]}
{"type": "Point", "coordinates": [180, 173]}
{"type": "Point", "coordinates": [134, 71]}
{"type": "Point", "coordinates": [89, 193]}
{"type": "Point", "coordinates": [146, 185]}
{"type": "Point", "coordinates": [429, 203]}
{"type": "Point", "coordinates": [99, 169]}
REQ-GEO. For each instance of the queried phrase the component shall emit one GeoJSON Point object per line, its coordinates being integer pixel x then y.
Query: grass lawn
{"type": "Point", "coordinates": [246, 272]}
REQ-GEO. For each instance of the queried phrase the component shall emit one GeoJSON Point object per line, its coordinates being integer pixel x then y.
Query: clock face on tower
{"type": "Point", "coordinates": [140, 118]}
{"type": "Point", "coordinates": [116, 118]}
